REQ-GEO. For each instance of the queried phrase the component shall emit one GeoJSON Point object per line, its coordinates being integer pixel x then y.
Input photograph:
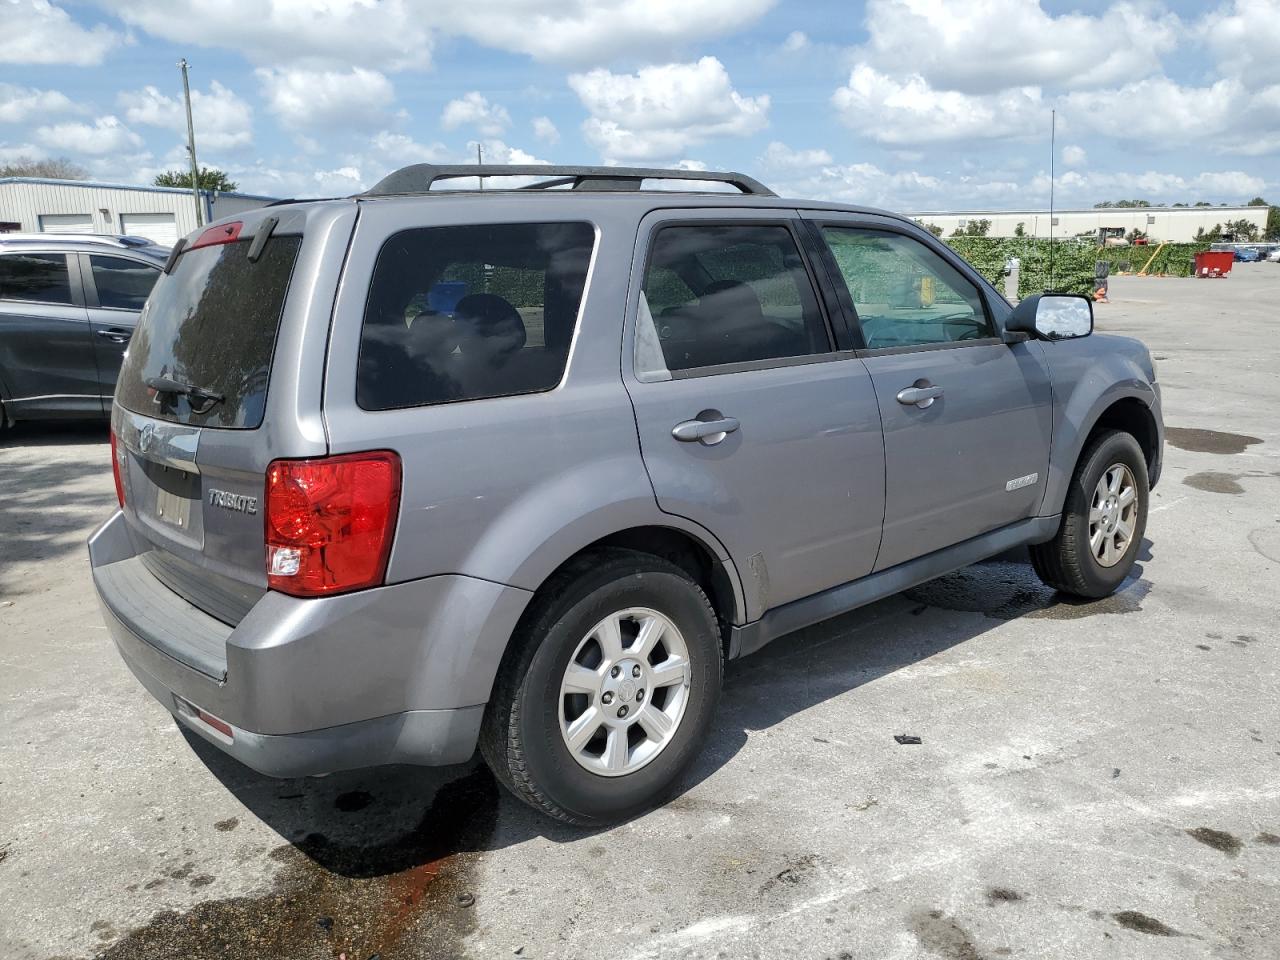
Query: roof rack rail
{"type": "Point", "coordinates": [109, 239]}
{"type": "Point", "coordinates": [418, 177]}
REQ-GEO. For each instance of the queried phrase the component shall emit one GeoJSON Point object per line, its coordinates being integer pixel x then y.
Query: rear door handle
{"type": "Point", "coordinates": [920, 396]}
{"type": "Point", "coordinates": [710, 432]}
{"type": "Point", "coordinates": [115, 336]}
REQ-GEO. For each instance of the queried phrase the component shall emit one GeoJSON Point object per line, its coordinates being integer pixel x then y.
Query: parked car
{"type": "Point", "coordinates": [1274, 256]}
{"type": "Point", "coordinates": [68, 306]}
{"type": "Point", "coordinates": [1248, 254]}
{"type": "Point", "coordinates": [421, 470]}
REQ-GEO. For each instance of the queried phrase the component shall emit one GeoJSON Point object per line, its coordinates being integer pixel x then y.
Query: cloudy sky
{"type": "Point", "coordinates": [909, 104]}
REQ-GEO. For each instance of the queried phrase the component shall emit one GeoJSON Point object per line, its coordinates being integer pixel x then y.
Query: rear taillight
{"type": "Point", "coordinates": [330, 521]}
{"type": "Point", "coordinates": [117, 467]}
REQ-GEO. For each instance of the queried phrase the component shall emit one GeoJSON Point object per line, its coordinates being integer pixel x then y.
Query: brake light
{"type": "Point", "coordinates": [220, 233]}
{"type": "Point", "coordinates": [117, 467]}
{"type": "Point", "coordinates": [330, 522]}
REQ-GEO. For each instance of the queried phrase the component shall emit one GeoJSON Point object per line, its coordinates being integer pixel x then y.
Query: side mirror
{"type": "Point", "coordinates": [1053, 316]}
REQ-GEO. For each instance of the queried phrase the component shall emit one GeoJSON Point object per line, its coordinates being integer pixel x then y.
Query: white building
{"type": "Point", "coordinates": [1171, 224]}
{"type": "Point", "coordinates": [163, 214]}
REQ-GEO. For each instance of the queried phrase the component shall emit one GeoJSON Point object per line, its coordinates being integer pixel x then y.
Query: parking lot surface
{"type": "Point", "coordinates": [1094, 780]}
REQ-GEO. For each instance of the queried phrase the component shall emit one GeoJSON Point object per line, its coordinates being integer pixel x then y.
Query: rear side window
{"type": "Point", "coordinates": [468, 312]}
{"type": "Point", "coordinates": [122, 284]}
{"type": "Point", "coordinates": [211, 324]}
{"type": "Point", "coordinates": [37, 277]}
{"type": "Point", "coordinates": [716, 295]}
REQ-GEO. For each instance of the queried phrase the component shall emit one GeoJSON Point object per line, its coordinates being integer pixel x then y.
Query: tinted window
{"type": "Point", "coordinates": [725, 294]}
{"type": "Point", "coordinates": [41, 277]}
{"type": "Point", "coordinates": [467, 312]}
{"type": "Point", "coordinates": [211, 323]}
{"type": "Point", "coordinates": [122, 284]}
{"type": "Point", "coordinates": [905, 294]}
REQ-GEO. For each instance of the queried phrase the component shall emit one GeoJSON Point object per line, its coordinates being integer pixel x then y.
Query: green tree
{"type": "Point", "coordinates": [931, 227]}
{"type": "Point", "coordinates": [1257, 202]}
{"type": "Point", "coordinates": [1273, 224]}
{"type": "Point", "coordinates": [210, 179]}
{"type": "Point", "coordinates": [974, 228]}
{"type": "Point", "coordinates": [55, 168]}
{"type": "Point", "coordinates": [1020, 230]}
{"type": "Point", "coordinates": [1209, 236]}
{"type": "Point", "coordinates": [1122, 203]}
{"type": "Point", "coordinates": [1203, 203]}
{"type": "Point", "coordinates": [1242, 230]}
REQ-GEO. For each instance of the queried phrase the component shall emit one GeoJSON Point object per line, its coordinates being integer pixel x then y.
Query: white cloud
{"type": "Point", "coordinates": [545, 130]}
{"type": "Point", "coordinates": [595, 31]}
{"type": "Point", "coordinates": [1223, 117]}
{"type": "Point", "coordinates": [981, 48]}
{"type": "Point", "coordinates": [400, 34]}
{"type": "Point", "coordinates": [660, 111]}
{"type": "Point", "coordinates": [474, 110]}
{"type": "Point", "coordinates": [327, 98]}
{"type": "Point", "coordinates": [778, 156]}
{"type": "Point", "coordinates": [1245, 36]}
{"type": "Point", "coordinates": [796, 41]}
{"type": "Point", "coordinates": [35, 31]}
{"type": "Point", "coordinates": [23, 103]}
{"type": "Point", "coordinates": [222, 119]}
{"type": "Point", "coordinates": [1085, 188]}
{"type": "Point", "coordinates": [908, 110]}
{"type": "Point", "coordinates": [104, 135]}
{"type": "Point", "coordinates": [1074, 156]}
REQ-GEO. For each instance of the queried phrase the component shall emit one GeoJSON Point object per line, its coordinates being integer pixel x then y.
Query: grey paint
{"type": "Point", "coordinates": [498, 493]}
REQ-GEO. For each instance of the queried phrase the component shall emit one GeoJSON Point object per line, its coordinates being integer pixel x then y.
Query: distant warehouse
{"type": "Point", "coordinates": [1170, 224]}
{"type": "Point", "coordinates": [162, 214]}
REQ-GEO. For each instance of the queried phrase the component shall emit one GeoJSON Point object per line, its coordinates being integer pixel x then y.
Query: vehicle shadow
{"type": "Point", "coordinates": [51, 497]}
{"type": "Point", "coordinates": [381, 821]}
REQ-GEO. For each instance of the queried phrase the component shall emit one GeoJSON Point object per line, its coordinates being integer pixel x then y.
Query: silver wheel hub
{"type": "Point", "coordinates": [624, 692]}
{"type": "Point", "coordinates": [1113, 515]}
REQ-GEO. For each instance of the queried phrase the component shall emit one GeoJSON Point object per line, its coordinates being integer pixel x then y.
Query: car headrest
{"type": "Point", "coordinates": [489, 318]}
{"type": "Point", "coordinates": [730, 304]}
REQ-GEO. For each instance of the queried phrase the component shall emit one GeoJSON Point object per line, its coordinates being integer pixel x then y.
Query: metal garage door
{"type": "Point", "coordinates": [66, 223]}
{"type": "Point", "coordinates": [159, 227]}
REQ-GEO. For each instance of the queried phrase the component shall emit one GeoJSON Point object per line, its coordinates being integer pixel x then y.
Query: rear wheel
{"type": "Point", "coordinates": [609, 691]}
{"type": "Point", "coordinates": [1103, 520]}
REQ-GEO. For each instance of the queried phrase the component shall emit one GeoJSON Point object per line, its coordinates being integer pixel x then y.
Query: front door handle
{"type": "Point", "coordinates": [709, 432]}
{"type": "Point", "coordinates": [921, 394]}
{"type": "Point", "coordinates": [115, 336]}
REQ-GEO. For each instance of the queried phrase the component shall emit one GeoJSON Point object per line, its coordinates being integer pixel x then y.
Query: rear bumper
{"type": "Point", "coordinates": [399, 674]}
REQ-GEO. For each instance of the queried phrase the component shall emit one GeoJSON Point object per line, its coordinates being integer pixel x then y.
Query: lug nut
{"type": "Point", "coordinates": [635, 671]}
{"type": "Point", "coordinates": [615, 672]}
{"type": "Point", "coordinates": [607, 698]}
{"type": "Point", "coordinates": [622, 711]}
{"type": "Point", "coordinates": [640, 696]}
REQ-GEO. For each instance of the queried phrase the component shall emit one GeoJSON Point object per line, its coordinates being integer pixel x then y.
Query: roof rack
{"type": "Point", "coordinates": [419, 177]}
{"type": "Point", "coordinates": [109, 239]}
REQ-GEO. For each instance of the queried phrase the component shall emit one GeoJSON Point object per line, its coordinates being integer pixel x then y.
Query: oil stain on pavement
{"type": "Point", "coordinates": [1208, 441]}
{"type": "Point", "coordinates": [399, 899]}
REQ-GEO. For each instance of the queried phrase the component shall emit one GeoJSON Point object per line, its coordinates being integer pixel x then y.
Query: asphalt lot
{"type": "Point", "coordinates": [1094, 781]}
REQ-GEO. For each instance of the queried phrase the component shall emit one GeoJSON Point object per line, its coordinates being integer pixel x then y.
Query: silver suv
{"type": "Point", "coordinates": [421, 470]}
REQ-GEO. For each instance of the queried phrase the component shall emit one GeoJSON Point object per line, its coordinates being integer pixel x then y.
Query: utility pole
{"type": "Point", "coordinates": [480, 162]}
{"type": "Point", "coordinates": [191, 145]}
{"type": "Point", "coordinates": [1053, 129]}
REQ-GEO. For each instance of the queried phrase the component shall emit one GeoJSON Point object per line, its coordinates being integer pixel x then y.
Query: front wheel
{"type": "Point", "coordinates": [1103, 521]}
{"type": "Point", "coordinates": [609, 691]}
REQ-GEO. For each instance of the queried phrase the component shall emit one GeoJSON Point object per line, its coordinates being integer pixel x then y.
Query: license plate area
{"type": "Point", "coordinates": [173, 507]}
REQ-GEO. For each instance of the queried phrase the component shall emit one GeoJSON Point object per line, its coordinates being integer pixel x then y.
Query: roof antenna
{"type": "Point", "coordinates": [1053, 129]}
{"type": "Point", "coordinates": [191, 145]}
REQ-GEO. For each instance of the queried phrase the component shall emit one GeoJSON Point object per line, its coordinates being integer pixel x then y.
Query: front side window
{"type": "Point", "coordinates": [725, 294]}
{"type": "Point", "coordinates": [904, 293]}
{"type": "Point", "coordinates": [37, 277]}
{"type": "Point", "coordinates": [469, 312]}
{"type": "Point", "coordinates": [122, 284]}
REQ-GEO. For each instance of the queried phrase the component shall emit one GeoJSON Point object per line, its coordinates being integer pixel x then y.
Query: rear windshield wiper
{"type": "Point", "coordinates": [202, 401]}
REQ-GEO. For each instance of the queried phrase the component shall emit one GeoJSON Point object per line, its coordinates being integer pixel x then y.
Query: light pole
{"type": "Point", "coordinates": [191, 145]}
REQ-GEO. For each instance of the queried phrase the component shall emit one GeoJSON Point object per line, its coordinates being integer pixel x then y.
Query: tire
{"type": "Point", "coordinates": [523, 739]}
{"type": "Point", "coordinates": [1068, 563]}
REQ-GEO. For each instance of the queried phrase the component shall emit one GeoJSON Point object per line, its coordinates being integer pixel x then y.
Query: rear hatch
{"type": "Point", "coordinates": [223, 375]}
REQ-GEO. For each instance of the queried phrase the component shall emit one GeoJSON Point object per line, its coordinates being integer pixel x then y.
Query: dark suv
{"type": "Point", "coordinates": [422, 470]}
{"type": "Point", "coordinates": [68, 306]}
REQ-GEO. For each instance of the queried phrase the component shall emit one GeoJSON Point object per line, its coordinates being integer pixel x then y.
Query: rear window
{"type": "Point", "coordinates": [211, 324]}
{"type": "Point", "coordinates": [469, 312]}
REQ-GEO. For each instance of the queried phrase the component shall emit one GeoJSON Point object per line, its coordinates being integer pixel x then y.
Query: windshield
{"type": "Point", "coordinates": [210, 324]}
